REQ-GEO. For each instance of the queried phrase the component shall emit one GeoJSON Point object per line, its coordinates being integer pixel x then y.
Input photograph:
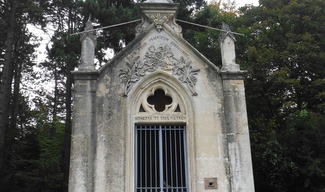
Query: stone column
{"type": "Point", "coordinates": [239, 152]}
{"type": "Point", "coordinates": [83, 123]}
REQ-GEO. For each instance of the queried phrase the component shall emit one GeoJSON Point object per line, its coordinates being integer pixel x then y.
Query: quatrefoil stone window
{"type": "Point", "coordinates": [159, 100]}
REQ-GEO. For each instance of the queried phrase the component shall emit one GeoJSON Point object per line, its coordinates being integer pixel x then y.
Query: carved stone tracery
{"type": "Point", "coordinates": [168, 104]}
{"type": "Point", "coordinates": [158, 58]}
{"type": "Point", "coordinates": [158, 19]}
{"type": "Point", "coordinates": [160, 14]}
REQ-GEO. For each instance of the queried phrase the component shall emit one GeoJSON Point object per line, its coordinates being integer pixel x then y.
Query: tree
{"type": "Point", "coordinates": [283, 51]}
{"type": "Point", "coordinates": [284, 55]}
{"type": "Point", "coordinates": [15, 59]}
{"type": "Point", "coordinates": [6, 76]}
{"type": "Point", "coordinates": [207, 40]}
{"type": "Point", "coordinates": [63, 57]}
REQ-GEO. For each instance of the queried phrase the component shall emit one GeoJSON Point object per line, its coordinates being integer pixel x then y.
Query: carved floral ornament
{"type": "Point", "coordinates": [155, 59]}
{"type": "Point", "coordinates": [158, 20]}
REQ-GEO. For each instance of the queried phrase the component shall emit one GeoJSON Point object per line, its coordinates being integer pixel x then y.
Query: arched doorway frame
{"type": "Point", "coordinates": [174, 88]}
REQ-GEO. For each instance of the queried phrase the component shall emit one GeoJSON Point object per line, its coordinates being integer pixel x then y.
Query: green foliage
{"type": "Point", "coordinates": [107, 13]}
{"type": "Point", "coordinates": [16, 59]}
{"type": "Point", "coordinates": [289, 40]}
{"type": "Point", "coordinates": [306, 146]}
{"type": "Point", "coordinates": [207, 40]}
{"type": "Point", "coordinates": [189, 7]}
{"type": "Point", "coordinates": [35, 154]}
{"type": "Point", "coordinates": [283, 52]}
{"type": "Point", "coordinates": [290, 159]}
{"type": "Point", "coordinates": [50, 156]}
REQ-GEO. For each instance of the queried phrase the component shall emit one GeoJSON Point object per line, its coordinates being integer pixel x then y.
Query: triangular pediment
{"type": "Point", "coordinates": [159, 50]}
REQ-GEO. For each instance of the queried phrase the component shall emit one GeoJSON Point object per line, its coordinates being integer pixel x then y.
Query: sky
{"type": "Point", "coordinates": [242, 2]}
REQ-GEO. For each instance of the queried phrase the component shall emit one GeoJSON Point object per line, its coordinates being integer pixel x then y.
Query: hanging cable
{"type": "Point", "coordinates": [137, 20]}
{"type": "Point", "coordinates": [111, 26]}
{"type": "Point", "coordinates": [209, 27]}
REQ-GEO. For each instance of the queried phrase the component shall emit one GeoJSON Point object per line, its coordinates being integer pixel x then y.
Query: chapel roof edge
{"type": "Point", "coordinates": [134, 43]}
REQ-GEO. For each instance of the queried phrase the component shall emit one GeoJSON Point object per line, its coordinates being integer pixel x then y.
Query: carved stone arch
{"type": "Point", "coordinates": [169, 84]}
{"type": "Point", "coordinates": [160, 99]}
{"type": "Point", "coordinates": [182, 98]}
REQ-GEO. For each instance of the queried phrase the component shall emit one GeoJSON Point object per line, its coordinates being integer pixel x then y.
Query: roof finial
{"type": "Point", "coordinates": [88, 44]}
{"type": "Point", "coordinates": [227, 45]}
{"type": "Point", "coordinates": [226, 32]}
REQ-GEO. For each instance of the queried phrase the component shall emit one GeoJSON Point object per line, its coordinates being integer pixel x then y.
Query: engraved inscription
{"type": "Point", "coordinates": [178, 48]}
{"type": "Point", "coordinates": [158, 38]}
{"type": "Point", "coordinates": [160, 118]}
{"type": "Point", "coordinates": [142, 46]}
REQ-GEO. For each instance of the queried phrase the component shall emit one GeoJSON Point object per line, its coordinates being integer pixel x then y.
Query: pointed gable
{"type": "Point", "coordinates": [158, 46]}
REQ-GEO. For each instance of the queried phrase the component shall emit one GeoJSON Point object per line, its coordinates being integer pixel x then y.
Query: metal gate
{"type": "Point", "coordinates": [160, 162]}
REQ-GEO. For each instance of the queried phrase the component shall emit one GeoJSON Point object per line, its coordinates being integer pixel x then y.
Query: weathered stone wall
{"type": "Point", "coordinates": [206, 150]}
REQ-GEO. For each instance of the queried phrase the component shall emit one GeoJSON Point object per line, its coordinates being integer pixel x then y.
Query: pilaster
{"type": "Point", "coordinates": [83, 123]}
{"type": "Point", "coordinates": [239, 152]}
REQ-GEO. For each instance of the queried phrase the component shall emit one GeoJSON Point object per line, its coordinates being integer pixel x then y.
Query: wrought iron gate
{"type": "Point", "coordinates": [160, 162]}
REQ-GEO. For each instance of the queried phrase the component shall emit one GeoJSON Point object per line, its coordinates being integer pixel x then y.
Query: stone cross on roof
{"type": "Point", "coordinates": [158, 1]}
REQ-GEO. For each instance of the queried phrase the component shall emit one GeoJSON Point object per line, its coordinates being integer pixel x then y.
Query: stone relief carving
{"type": "Point", "coordinates": [140, 28]}
{"type": "Point", "coordinates": [158, 20]}
{"type": "Point", "coordinates": [158, 58]}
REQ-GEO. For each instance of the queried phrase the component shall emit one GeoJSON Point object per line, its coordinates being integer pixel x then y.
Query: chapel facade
{"type": "Point", "coordinates": [160, 116]}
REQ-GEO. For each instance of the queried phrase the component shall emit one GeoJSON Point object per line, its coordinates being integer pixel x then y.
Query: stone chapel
{"type": "Point", "coordinates": [159, 116]}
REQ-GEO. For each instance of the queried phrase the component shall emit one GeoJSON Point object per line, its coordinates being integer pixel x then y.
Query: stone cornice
{"type": "Point", "coordinates": [85, 75]}
{"type": "Point", "coordinates": [233, 75]}
{"type": "Point", "coordinates": [159, 6]}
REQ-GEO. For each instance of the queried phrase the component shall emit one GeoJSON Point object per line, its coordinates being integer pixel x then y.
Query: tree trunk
{"type": "Point", "coordinates": [16, 92]}
{"type": "Point", "coordinates": [52, 130]}
{"type": "Point", "coordinates": [6, 82]}
{"type": "Point", "coordinates": [68, 104]}
{"type": "Point", "coordinates": [67, 134]}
